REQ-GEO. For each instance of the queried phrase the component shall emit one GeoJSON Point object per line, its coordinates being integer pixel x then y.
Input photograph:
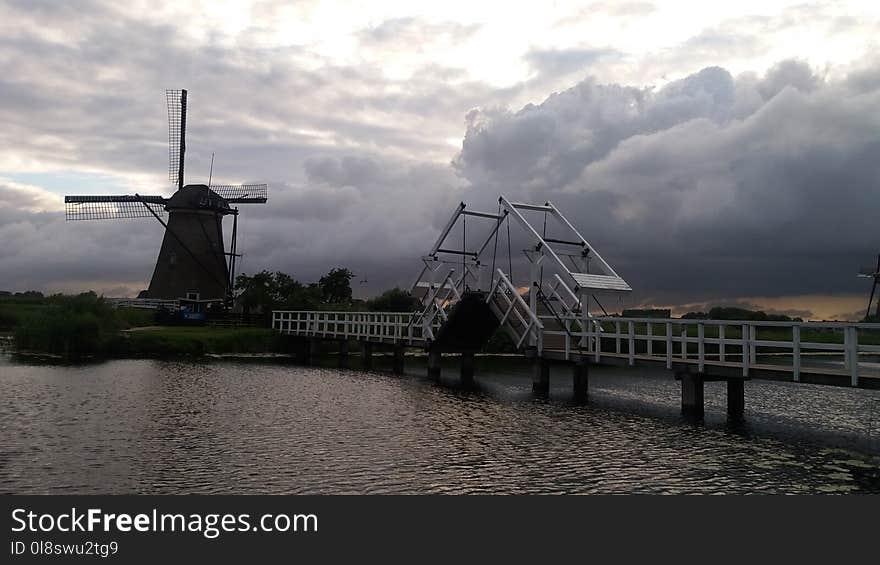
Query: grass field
{"type": "Point", "coordinates": [170, 341]}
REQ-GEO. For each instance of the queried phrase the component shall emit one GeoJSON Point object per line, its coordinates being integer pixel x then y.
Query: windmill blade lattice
{"type": "Point", "coordinates": [242, 193]}
{"type": "Point", "coordinates": [105, 207]}
{"type": "Point", "coordinates": [176, 134]}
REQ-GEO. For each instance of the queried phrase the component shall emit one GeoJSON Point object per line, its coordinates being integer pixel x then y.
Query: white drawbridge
{"type": "Point", "coordinates": [468, 290]}
{"type": "Point", "coordinates": [564, 273]}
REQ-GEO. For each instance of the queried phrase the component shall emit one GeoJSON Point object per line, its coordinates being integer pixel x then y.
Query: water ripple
{"type": "Point", "coordinates": [146, 426]}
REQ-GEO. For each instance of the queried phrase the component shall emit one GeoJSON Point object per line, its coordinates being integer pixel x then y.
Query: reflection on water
{"type": "Point", "coordinates": [147, 426]}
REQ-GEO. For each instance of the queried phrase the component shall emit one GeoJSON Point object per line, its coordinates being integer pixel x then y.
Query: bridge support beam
{"type": "Point", "coordinates": [342, 360]}
{"type": "Point", "coordinates": [366, 355]}
{"type": "Point", "coordinates": [397, 366]}
{"type": "Point", "coordinates": [308, 351]}
{"type": "Point", "coordinates": [540, 376]}
{"type": "Point", "coordinates": [736, 398]}
{"type": "Point", "coordinates": [580, 381]}
{"type": "Point", "coordinates": [434, 358]}
{"type": "Point", "coordinates": [691, 394]}
{"type": "Point", "coordinates": [294, 347]}
{"type": "Point", "coordinates": [467, 368]}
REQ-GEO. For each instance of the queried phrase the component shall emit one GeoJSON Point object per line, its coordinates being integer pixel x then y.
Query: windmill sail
{"type": "Point", "coordinates": [242, 193]}
{"type": "Point", "coordinates": [107, 207]}
{"type": "Point", "coordinates": [176, 134]}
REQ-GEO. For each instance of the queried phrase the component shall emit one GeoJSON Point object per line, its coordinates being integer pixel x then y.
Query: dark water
{"type": "Point", "coordinates": [146, 426]}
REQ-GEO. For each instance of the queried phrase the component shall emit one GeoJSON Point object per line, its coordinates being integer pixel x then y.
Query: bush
{"type": "Point", "coordinates": [14, 309]}
{"type": "Point", "coordinates": [72, 326]}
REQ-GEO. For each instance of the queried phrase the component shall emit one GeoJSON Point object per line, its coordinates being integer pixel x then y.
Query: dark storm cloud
{"type": "Point", "coordinates": [375, 216]}
{"type": "Point", "coordinates": [711, 186]}
{"type": "Point", "coordinates": [41, 251]}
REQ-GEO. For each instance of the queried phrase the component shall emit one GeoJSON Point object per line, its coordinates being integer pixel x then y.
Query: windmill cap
{"type": "Point", "coordinates": [197, 196]}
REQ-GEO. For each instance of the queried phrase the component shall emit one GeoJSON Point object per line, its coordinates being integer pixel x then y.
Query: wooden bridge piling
{"type": "Point", "coordinates": [312, 350]}
{"type": "Point", "coordinates": [366, 355]}
{"type": "Point", "coordinates": [541, 376]}
{"type": "Point", "coordinates": [467, 368]}
{"type": "Point", "coordinates": [342, 359]}
{"type": "Point", "coordinates": [692, 397]}
{"type": "Point", "coordinates": [397, 364]}
{"type": "Point", "coordinates": [736, 398]}
{"type": "Point", "coordinates": [434, 359]}
{"type": "Point", "coordinates": [580, 381]}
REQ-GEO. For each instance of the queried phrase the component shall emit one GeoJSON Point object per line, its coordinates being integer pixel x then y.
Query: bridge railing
{"type": "Point", "coordinates": [144, 303]}
{"type": "Point", "coordinates": [390, 327]}
{"type": "Point", "coordinates": [438, 298]}
{"type": "Point", "coordinates": [514, 314]}
{"type": "Point", "coordinates": [834, 348]}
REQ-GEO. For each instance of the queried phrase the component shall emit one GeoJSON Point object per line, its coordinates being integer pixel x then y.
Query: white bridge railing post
{"type": "Point", "coordinates": [753, 345]}
{"type": "Point", "coordinates": [684, 341]}
{"type": "Point", "coordinates": [669, 345]}
{"type": "Point", "coordinates": [701, 347]}
{"type": "Point", "coordinates": [631, 345]}
{"type": "Point", "coordinates": [851, 346]}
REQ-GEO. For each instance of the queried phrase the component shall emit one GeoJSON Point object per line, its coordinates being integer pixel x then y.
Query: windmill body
{"type": "Point", "coordinates": [193, 263]}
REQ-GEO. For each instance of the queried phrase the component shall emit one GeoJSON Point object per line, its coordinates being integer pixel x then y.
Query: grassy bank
{"type": "Point", "coordinates": [188, 341]}
{"type": "Point", "coordinates": [70, 326]}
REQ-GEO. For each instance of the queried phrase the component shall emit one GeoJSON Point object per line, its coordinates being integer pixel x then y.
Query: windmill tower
{"type": "Point", "coordinates": [193, 263]}
{"type": "Point", "coordinates": [872, 273]}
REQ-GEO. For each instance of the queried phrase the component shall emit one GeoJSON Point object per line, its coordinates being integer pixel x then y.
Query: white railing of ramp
{"type": "Point", "coordinates": [513, 308]}
{"type": "Point", "coordinates": [389, 327]}
{"type": "Point", "coordinates": [843, 349]}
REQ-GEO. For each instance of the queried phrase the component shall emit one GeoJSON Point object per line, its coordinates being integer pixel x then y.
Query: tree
{"type": "Point", "coordinates": [394, 300]}
{"type": "Point", "coordinates": [256, 292]}
{"type": "Point", "coordinates": [336, 286]}
{"type": "Point", "coordinates": [267, 291]}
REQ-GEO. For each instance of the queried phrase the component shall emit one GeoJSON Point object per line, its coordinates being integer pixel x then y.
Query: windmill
{"type": "Point", "coordinates": [193, 263]}
{"type": "Point", "coordinates": [872, 273]}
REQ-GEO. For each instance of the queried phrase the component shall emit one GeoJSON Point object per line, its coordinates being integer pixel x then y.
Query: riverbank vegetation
{"type": "Point", "coordinates": [70, 326]}
{"type": "Point", "coordinates": [196, 341]}
{"type": "Point", "coordinates": [85, 325]}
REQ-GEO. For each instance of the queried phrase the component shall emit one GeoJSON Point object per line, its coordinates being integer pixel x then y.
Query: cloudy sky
{"type": "Point", "coordinates": [712, 152]}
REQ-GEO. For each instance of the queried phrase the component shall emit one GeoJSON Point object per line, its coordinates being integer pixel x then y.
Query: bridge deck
{"type": "Point", "coordinates": [833, 353]}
